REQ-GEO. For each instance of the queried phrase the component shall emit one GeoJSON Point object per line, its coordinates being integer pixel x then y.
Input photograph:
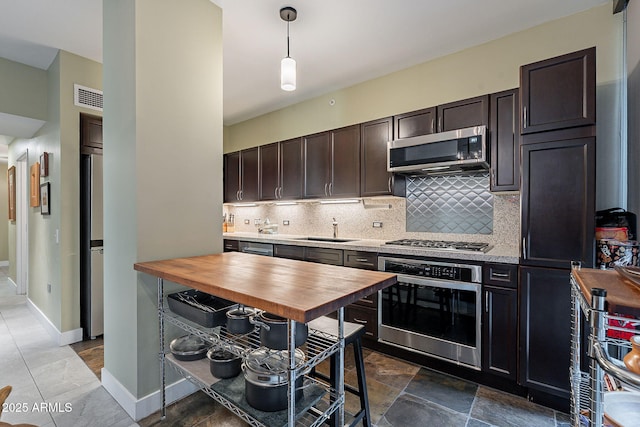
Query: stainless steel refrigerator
{"type": "Point", "coordinates": [91, 292]}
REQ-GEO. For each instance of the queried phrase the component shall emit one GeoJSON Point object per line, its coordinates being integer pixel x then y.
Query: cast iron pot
{"type": "Point", "coordinates": [266, 383]}
{"type": "Point", "coordinates": [189, 347]}
{"type": "Point", "coordinates": [239, 320]}
{"type": "Point", "coordinates": [223, 363]}
{"type": "Point", "coordinates": [273, 331]}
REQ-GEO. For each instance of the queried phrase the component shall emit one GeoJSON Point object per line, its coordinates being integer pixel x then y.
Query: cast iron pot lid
{"type": "Point", "coordinates": [188, 345]}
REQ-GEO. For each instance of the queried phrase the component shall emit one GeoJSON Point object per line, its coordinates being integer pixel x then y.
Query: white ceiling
{"type": "Point", "coordinates": [336, 43]}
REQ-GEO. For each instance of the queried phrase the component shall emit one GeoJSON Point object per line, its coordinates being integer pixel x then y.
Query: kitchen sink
{"type": "Point", "coordinates": [325, 239]}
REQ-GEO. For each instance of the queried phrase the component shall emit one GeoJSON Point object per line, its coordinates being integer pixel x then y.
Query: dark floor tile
{"type": "Point", "coordinates": [503, 409]}
{"type": "Point", "coordinates": [388, 370]}
{"type": "Point", "coordinates": [409, 410]}
{"type": "Point", "coordinates": [381, 397]}
{"type": "Point", "coordinates": [194, 410]}
{"type": "Point", "coordinates": [83, 345]}
{"type": "Point", "coordinates": [477, 423]}
{"type": "Point", "coordinates": [445, 390]}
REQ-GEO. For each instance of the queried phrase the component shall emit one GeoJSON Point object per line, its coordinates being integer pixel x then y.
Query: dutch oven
{"type": "Point", "coordinates": [189, 347]}
{"type": "Point", "coordinates": [239, 320]}
{"type": "Point", "coordinates": [223, 363]}
{"type": "Point", "coordinates": [274, 331]}
{"type": "Point", "coordinates": [266, 381]}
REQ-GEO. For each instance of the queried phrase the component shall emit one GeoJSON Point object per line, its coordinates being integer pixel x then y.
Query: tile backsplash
{"type": "Point", "coordinates": [310, 218]}
{"type": "Point", "coordinates": [456, 203]}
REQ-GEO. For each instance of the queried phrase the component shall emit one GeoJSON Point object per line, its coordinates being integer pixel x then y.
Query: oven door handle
{"type": "Point", "coordinates": [435, 283]}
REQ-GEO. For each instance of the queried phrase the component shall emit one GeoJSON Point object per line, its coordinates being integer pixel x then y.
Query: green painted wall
{"type": "Point", "coordinates": [23, 90]}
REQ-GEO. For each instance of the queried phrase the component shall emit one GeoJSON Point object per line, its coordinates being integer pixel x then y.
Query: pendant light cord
{"type": "Point", "coordinates": [288, 21]}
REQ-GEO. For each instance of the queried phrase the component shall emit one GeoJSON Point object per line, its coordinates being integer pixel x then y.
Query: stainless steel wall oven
{"type": "Point", "coordinates": [435, 308]}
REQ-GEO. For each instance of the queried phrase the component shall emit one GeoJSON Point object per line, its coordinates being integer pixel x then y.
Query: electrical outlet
{"type": "Point", "coordinates": [247, 222]}
{"type": "Point", "coordinates": [285, 222]}
{"type": "Point", "coordinates": [377, 224]}
{"type": "Point", "coordinates": [49, 287]}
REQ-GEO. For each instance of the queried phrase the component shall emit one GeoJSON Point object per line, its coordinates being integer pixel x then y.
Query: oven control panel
{"type": "Point", "coordinates": [432, 269]}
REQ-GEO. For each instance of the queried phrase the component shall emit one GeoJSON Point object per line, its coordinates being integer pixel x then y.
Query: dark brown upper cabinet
{"type": "Point", "coordinates": [374, 178]}
{"type": "Point", "coordinates": [558, 198]}
{"type": "Point", "coordinates": [241, 176]}
{"type": "Point", "coordinates": [504, 138]}
{"type": "Point", "coordinates": [463, 114]}
{"type": "Point", "coordinates": [332, 163]}
{"type": "Point", "coordinates": [559, 92]}
{"type": "Point", "coordinates": [415, 123]}
{"type": "Point", "coordinates": [281, 170]}
{"type": "Point", "coordinates": [90, 134]}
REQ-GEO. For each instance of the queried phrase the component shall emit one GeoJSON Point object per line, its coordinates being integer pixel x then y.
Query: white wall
{"type": "Point", "coordinates": [633, 71]}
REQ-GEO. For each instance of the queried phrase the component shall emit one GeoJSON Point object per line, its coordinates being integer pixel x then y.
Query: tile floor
{"type": "Point", "coordinates": [400, 393]}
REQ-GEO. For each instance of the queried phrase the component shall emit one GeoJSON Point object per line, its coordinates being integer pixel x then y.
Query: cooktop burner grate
{"type": "Point", "coordinates": [442, 245]}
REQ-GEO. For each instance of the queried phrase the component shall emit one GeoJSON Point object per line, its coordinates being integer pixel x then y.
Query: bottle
{"type": "Point", "coordinates": [632, 359]}
{"type": "Point", "coordinates": [231, 225]}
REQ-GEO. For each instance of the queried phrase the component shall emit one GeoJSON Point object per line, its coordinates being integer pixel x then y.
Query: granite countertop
{"type": "Point", "coordinates": [499, 254]}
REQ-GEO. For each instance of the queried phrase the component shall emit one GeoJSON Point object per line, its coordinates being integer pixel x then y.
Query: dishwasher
{"type": "Point", "coordinates": [257, 248]}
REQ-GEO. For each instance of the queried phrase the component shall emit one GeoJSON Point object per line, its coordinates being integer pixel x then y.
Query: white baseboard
{"type": "Point", "coordinates": [147, 405]}
{"type": "Point", "coordinates": [4, 263]}
{"type": "Point", "coordinates": [61, 338]}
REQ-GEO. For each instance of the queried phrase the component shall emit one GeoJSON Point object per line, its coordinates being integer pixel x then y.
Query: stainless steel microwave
{"type": "Point", "coordinates": [461, 149]}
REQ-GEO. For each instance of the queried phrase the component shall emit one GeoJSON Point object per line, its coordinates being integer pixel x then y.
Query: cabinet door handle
{"type": "Point", "coordinates": [433, 122]}
{"type": "Point", "coordinates": [275, 193]}
{"type": "Point", "coordinates": [486, 301]}
{"type": "Point", "coordinates": [241, 194]}
{"type": "Point", "coordinates": [281, 192]}
{"type": "Point", "coordinates": [503, 275]}
{"type": "Point", "coordinates": [524, 117]}
{"type": "Point", "coordinates": [238, 195]}
{"type": "Point", "coordinates": [389, 183]}
{"type": "Point", "coordinates": [362, 322]}
{"type": "Point", "coordinates": [325, 189]}
{"type": "Point", "coordinates": [362, 260]}
{"type": "Point", "coordinates": [524, 248]}
{"type": "Point", "coordinates": [441, 124]}
{"type": "Point", "coordinates": [331, 188]}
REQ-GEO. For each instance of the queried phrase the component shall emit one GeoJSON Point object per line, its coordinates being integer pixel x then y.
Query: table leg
{"type": "Point", "coordinates": [163, 408]}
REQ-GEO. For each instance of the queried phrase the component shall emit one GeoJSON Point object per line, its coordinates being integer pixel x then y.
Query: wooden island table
{"type": "Point", "coordinates": [297, 290]}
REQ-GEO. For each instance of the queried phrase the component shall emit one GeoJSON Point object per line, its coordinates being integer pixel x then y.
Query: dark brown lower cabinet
{"type": "Point", "coordinates": [500, 331]}
{"type": "Point", "coordinates": [545, 329]}
{"type": "Point", "coordinates": [500, 319]}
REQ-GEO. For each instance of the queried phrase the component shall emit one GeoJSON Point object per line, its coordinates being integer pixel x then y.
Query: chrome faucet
{"type": "Point", "coordinates": [335, 228]}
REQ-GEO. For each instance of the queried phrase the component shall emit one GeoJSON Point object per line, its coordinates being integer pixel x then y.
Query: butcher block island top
{"type": "Point", "coordinates": [623, 296]}
{"type": "Point", "coordinates": [297, 290]}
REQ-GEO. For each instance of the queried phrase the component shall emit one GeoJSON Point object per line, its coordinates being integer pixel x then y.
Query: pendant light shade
{"type": "Point", "coordinates": [288, 64]}
{"type": "Point", "coordinates": [288, 74]}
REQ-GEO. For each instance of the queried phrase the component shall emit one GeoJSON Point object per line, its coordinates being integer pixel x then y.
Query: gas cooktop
{"type": "Point", "coordinates": [442, 245]}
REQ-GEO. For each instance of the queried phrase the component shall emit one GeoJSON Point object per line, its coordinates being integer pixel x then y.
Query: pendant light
{"type": "Point", "coordinates": [288, 64]}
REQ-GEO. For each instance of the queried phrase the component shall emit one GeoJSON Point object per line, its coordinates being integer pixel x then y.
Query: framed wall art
{"type": "Point", "coordinates": [34, 188]}
{"type": "Point", "coordinates": [44, 164]}
{"type": "Point", "coordinates": [45, 202]}
{"type": "Point", "coordinates": [11, 181]}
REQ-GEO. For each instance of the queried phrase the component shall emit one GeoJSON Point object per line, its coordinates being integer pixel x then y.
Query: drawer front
{"type": "Point", "coordinates": [505, 275]}
{"type": "Point", "coordinates": [359, 259]}
{"type": "Point", "coordinates": [230, 245]}
{"type": "Point", "coordinates": [363, 316]}
{"type": "Point", "coordinates": [289, 251]}
{"type": "Point", "coordinates": [324, 255]}
{"type": "Point", "coordinates": [369, 301]}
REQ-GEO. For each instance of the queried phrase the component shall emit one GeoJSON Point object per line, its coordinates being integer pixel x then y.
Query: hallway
{"type": "Point", "coordinates": [52, 386]}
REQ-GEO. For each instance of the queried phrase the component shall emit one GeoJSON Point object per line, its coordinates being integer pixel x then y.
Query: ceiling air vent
{"type": "Point", "coordinates": [87, 97]}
